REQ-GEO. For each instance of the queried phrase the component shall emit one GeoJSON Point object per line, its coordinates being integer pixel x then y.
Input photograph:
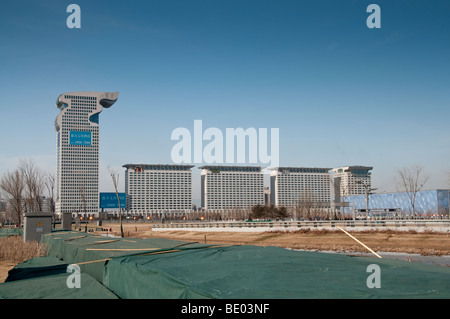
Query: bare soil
{"type": "Point", "coordinates": [5, 266]}
{"type": "Point", "coordinates": [427, 243]}
{"type": "Point", "coordinates": [424, 243]}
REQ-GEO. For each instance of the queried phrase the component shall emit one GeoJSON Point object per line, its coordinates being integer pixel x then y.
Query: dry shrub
{"type": "Point", "coordinates": [323, 231]}
{"type": "Point", "coordinates": [319, 231]}
{"type": "Point", "coordinates": [14, 249]}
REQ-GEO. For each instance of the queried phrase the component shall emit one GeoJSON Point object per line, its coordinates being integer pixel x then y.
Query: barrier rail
{"type": "Point", "coordinates": [308, 224]}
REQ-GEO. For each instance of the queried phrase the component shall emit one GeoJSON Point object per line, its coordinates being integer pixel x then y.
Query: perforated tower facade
{"type": "Point", "coordinates": [77, 150]}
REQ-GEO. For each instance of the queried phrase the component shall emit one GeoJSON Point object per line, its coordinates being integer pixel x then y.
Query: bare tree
{"type": "Point", "coordinates": [261, 211]}
{"type": "Point", "coordinates": [340, 192]}
{"type": "Point", "coordinates": [50, 181]}
{"type": "Point", "coordinates": [306, 204]}
{"type": "Point", "coordinates": [34, 185]}
{"type": "Point", "coordinates": [258, 211]}
{"type": "Point", "coordinates": [115, 179]}
{"type": "Point", "coordinates": [412, 180]}
{"type": "Point", "coordinates": [83, 200]}
{"type": "Point", "coordinates": [13, 186]}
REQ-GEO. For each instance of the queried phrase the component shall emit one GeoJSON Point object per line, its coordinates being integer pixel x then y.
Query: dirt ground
{"type": "Point", "coordinates": [424, 243]}
{"type": "Point", "coordinates": [5, 266]}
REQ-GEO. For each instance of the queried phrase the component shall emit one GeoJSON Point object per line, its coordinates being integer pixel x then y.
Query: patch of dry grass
{"type": "Point", "coordinates": [14, 250]}
{"type": "Point", "coordinates": [323, 231]}
{"type": "Point", "coordinates": [426, 242]}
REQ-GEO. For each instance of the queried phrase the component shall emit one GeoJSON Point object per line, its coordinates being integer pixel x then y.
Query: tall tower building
{"type": "Point", "coordinates": [77, 150]}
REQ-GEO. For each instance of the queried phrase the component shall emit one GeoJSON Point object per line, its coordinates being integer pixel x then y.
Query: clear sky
{"type": "Point", "coordinates": [339, 92]}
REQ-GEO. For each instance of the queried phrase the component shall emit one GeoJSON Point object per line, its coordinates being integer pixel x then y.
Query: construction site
{"type": "Point", "coordinates": [153, 262]}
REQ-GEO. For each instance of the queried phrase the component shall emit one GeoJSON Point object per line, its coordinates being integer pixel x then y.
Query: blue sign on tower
{"type": "Point", "coordinates": [80, 138]}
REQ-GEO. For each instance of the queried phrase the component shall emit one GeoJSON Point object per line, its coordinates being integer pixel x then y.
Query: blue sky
{"type": "Point", "coordinates": [339, 92]}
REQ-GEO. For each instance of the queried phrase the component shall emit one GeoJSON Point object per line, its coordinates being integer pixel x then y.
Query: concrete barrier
{"type": "Point", "coordinates": [406, 225]}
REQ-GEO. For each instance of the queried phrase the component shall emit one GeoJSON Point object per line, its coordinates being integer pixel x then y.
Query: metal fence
{"type": "Point", "coordinates": [308, 224]}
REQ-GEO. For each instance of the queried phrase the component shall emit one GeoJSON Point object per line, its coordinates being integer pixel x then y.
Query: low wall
{"type": "Point", "coordinates": [401, 225]}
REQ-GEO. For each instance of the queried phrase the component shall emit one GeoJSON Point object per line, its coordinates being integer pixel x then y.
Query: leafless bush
{"type": "Point", "coordinates": [14, 249]}
{"type": "Point", "coordinates": [319, 231]}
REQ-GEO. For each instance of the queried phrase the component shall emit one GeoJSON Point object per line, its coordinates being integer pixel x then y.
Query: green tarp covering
{"type": "Point", "coordinates": [6, 232]}
{"type": "Point", "coordinates": [160, 269]}
{"type": "Point", "coordinates": [269, 272]}
{"type": "Point", "coordinates": [37, 267]}
{"type": "Point", "coordinates": [93, 252]}
{"type": "Point", "coordinates": [46, 278]}
{"type": "Point", "coordinates": [54, 287]}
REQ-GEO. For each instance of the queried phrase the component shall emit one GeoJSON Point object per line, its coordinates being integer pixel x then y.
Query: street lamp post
{"type": "Point", "coordinates": [368, 191]}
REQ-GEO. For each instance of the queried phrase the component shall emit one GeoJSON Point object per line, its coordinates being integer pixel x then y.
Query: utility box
{"type": "Point", "coordinates": [66, 221]}
{"type": "Point", "coordinates": [36, 224]}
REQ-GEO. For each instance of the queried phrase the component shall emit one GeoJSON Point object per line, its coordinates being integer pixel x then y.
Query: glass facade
{"type": "Point", "coordinates": [428, 202]}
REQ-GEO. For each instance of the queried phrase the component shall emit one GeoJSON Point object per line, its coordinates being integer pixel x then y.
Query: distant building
{"type": "Point", "coordinates": [8, 211]}
{"type": "Point", "coordinates": [77, 150]}
{"type": "Point", "coordinates": [231, 187]}
{"type": "Point", "coordinates": [293, 186]}
{"type": "Point", "coordinates": [267, 201]}
{"type": "Point", "coordinates": [3, 205]}
{"type": "Point", "coordinates": [158, 189]}
{"type": "Point", "coordinates": [4, 212]}
{"type": "Point", "coordinates": [352, 180]}
{"type": "Point", "coordinates": [46, 204]}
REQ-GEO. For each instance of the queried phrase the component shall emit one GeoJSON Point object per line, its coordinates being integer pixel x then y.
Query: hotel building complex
{"type": "Point", "coordinates": [231, 187]}
{"type": "Point", "coordinates": [77, 150]}
{"type": "Point", "coordinates": [161, 189]}
{"type": "Point", "coordinates": [352, 180]}
{"type": "Point", "coordinates": [158, 189]}
{"type": "Point", "coordinates": [294, 186]}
